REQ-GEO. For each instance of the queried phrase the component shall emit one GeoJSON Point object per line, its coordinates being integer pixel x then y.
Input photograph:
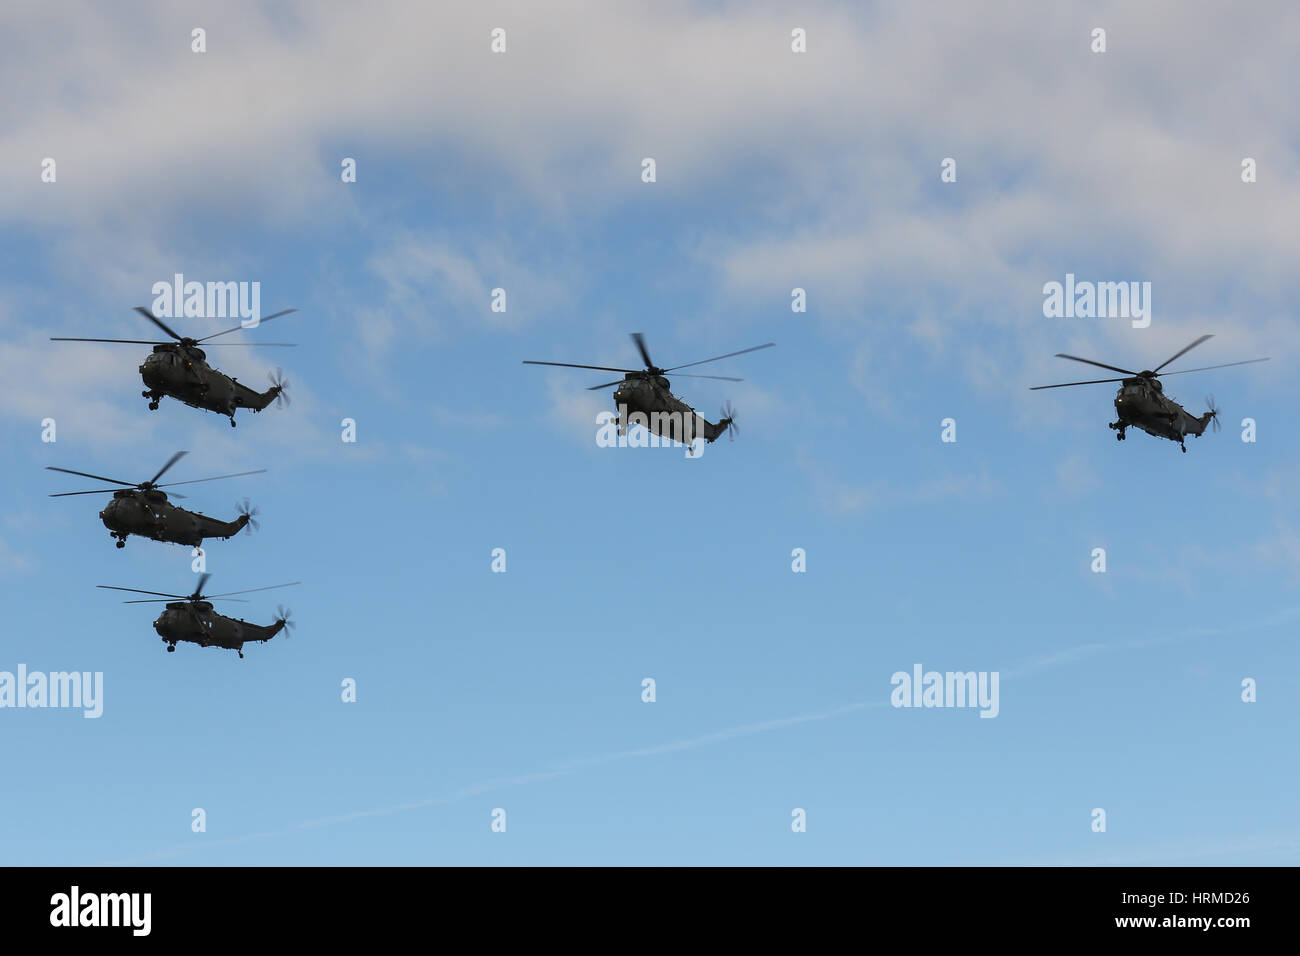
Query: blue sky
{"type": "Point", "coordinates": [775, 170]}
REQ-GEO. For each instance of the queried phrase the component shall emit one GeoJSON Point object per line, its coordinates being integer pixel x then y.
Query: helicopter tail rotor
{"type": "Point", "coordinates": [284, 617]}
{"type": "Point", "coordinates": [250, 512]}
{"type": "Point", "coordinates": [728, 421]}
{"type": "Point", "coordinates": [280, 386]}
{"type": "Point", "coordinates": [1212, 415]}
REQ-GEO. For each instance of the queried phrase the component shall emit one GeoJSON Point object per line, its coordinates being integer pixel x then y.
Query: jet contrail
{"type": "Point", "coordinates": [742, 730]}
{"type": "Point", "coordinates": [560, 770]}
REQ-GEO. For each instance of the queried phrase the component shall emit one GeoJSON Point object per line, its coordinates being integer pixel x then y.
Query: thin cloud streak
{"type": "Point", "coordinates": [743, 730]}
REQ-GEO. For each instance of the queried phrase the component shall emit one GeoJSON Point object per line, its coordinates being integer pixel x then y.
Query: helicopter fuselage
{"type": "Point", "coordinates": [182, 372]}
{"type": "Point", "coordinates": [645, 398]}
{"type": "Point", "coordinates": [195, 622]}
{"type": "Point", "coordinates": [649, 397]}
{"type": "Point", "coordinates": [149, 514]}
{"type": "Point", "coordinates": [1142, 403]}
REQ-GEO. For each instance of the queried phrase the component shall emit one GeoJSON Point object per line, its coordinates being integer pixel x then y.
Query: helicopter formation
{"type": "Point", "coordinates": [644, 396]}
{"type": "Point", "coordinates": [1141, 401]}
{"type": "Point", "coordinates": [179, 369]}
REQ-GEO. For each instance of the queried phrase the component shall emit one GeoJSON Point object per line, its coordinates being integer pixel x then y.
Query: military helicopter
{"type": "Point", "coordinates": [645, 395]}
{"type": "Point", "coordinates": [1142, 403]}
{"type": "Point", "coordinates": [189, 617]}
{"type": "Point", "coordinates": [180, 369]}
{"type": "Point", "coordinates": [144, 510]}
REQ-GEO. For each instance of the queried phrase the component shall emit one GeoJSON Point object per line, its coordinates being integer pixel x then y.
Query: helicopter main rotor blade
{"type": "Point", "coordinates": [60, 338]}
{"type": "Point", "coordinates": [96, 491]}
{"type": "Point", "coordinates": [242, 326]}
{"type": "Point", "coordinates": [720, 378]}
{"type": "Point", "coordinates": [639, 339]}
{"type": "Point", "coordinates": [194, 481]}
{"type": "Point", "coordinates": [84, 474]}
{"type": "Point", "coordinates": [1095, 381]}
{"type": "Point", "coordinates": [198, 591]}
{"type": "Point", "coordinates": [1203, 338]}
{"type": "Point", "coordinates": [269, 587]}
{"type": "Point", "coordinates": [1208, 367]}
{"type": "Point", "coordinates": [766, 345]}
{"type": "Point", "coordinates": [1075, 358]}
{"type": "Point", "coordinates": [170, 461]}
{"type": "Point", "coordinates": [164, 601]}
{"type": "Point", "coordinates": [599, 368]}
{"type": "Point", "coordinates": [175, 597]}
{"type": "Point", "coordinates": [597, 388]}
{"type": "Point", "coordinates": [227, 345]}
{"type": "Point", "coordinates": [157, 321]}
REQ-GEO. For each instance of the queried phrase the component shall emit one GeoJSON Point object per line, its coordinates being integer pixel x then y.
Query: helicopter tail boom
{"type": "Point", "coordinates": [216, 528]}
{"type": "Point", "coordinates": [245, 397]}
{"type": "Point", "coordinates": [1210, 417]}
{"type": "Point", "coordinates": [713, 432]}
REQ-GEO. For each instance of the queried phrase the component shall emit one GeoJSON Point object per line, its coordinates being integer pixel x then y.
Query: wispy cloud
{"type": "Point", "coordinates": [850, 498]}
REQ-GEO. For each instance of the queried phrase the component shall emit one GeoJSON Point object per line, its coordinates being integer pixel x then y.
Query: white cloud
{"type": "Point", "coordinates": [1065, 158]}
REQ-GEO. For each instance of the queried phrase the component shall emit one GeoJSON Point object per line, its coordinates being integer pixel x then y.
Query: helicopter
{"type": "Point", "coordinates": [1141, 401]}
{"type": "Point", "coordinates": [645, 396]}
{"type": "Point", "coordinates": [144, 510]}
{"type": "Point", "coordinates": [180, 369]}
{"type": "Point", "coordinates": [189, 617]}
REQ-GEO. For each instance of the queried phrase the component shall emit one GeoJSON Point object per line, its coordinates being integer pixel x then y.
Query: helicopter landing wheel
{"type": "Point", "coordinates": [241, 654]}
{"type": "Point", "coordinates": [171, 648]}
{"type": "Point", "coordinates": [1184, 448]}
{"type": "Point", "coordinates": [153, 406]}
{"type": "Point", "coordinates": [121, 544]}
{"type": "Point", "coordinates": [232, 421]}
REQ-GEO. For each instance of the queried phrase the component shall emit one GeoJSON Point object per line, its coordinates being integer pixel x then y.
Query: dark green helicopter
{"type": "Point", "coordinates": [190, 617]}
{"type": "Point", "coordinates": [144, 510]}
{"type": "Point", "coordinates": [180, 369]}
{"type": "Point", "coordinates": [645, 396]}
{"type": "Point", "coordinates": [1142, 403]}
